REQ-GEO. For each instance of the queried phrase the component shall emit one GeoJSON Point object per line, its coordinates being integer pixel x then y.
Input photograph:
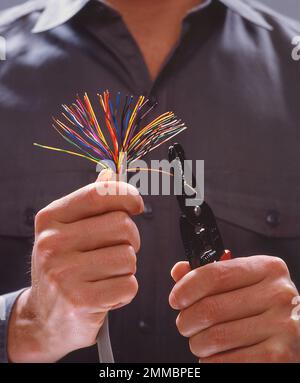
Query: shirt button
{"type": "Point", "coordinates": [29, 215]}
{"type": "Point", "coordinates": [273, 218]}
{"type": "Point", "coordinates": [148, 211]}
{"type": "Point", "coordinates": [143, 326]}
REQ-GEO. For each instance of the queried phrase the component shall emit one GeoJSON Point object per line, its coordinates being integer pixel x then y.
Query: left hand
{"type": "Point", "coordinates": [238, 310]}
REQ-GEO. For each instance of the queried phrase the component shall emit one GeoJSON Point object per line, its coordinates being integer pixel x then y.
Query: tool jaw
{"type": "Point", "coordinates": [201, 238]}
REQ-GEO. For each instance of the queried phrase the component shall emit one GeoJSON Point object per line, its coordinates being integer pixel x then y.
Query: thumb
{"type": "Point", "coordinates": [180, 270]}
{"type": "Point", "coordinates": [105, 175]}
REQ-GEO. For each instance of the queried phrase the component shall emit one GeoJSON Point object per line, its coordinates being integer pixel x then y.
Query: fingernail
{"type": "Point", "coordinates": [105, 175]}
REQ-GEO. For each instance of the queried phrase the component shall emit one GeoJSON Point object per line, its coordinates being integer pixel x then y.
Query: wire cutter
{"type": "Point", "coordinates": [201, 237]}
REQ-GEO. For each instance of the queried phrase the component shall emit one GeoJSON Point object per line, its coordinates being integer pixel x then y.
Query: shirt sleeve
{"type": "Point", "coordinates": [6, 304]}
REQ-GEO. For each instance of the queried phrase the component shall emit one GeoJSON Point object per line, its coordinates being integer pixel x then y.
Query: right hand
{"type": "Point", "coordinates": [83, 265]}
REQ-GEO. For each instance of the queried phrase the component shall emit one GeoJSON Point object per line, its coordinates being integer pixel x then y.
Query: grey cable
{"type": "Point", "coordinates": [104, 345]}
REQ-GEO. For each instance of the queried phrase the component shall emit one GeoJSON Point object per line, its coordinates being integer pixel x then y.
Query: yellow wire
{"type": "Point", "coordinates": [69, 152]}
{"type": "Point", "coordinates": [95, 119]}
{"type": "Point", "coordinates": [151, 124]}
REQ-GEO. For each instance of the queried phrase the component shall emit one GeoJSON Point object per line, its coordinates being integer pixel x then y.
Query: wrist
{"type": "Point", "coordinates": [28, 339]}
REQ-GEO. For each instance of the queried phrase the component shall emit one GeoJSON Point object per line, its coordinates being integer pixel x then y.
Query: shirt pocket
{"type": "Point", "coordinates": [22, 196]}
{"type": "Point", "coordinates": [264, 204]}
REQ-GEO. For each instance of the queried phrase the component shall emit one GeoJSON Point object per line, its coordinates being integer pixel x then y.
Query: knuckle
{"type": "Point", "coordinates": [137, 202]}
{"type": "Point", "coordinates": [49, 242]}
{"type": "Point", "coordinates": [42, 219]}
{"type": "Point", "coordinates": [118, 220]}
{"type": "Point", "coordinates": [180, 324]}
{"type": "Point", "coordinates": [132, 287]}
{"type": "Point", "coordinates": [178, 296]}
{"type": "Point", "coordinates": [137, 237]}
{"type": "Point", "coordinates": [219, 273]}
{"type": "Point", "coordinates": [136, 241]}
{"type": "Point", "coordinates": [43, 244]}
{"type": "Point", "coordinates": [194, 347]}
{"type": "Point", "coordinates": [124, 221]}
{"type": "Point", "coordinates": [128, 229]}
{"type": "Point", "coordinates": [277, 266]}
{"type": "Point", "coordinates": [130, 258]}
{"type": "Point", "coordinates": [283, 292]}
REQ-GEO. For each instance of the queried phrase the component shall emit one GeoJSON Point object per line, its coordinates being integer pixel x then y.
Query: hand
{"type": "Point", "coordinates": [238, 310]}
{"type": "Point", "coordinates": [83, 265]}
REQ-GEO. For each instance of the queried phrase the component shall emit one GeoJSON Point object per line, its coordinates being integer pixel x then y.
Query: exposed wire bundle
{"type": "Point", "coordinates": [123, 134]}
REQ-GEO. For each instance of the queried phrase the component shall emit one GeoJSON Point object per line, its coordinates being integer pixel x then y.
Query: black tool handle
{"type": "Point", "coordinates": [197, 241]}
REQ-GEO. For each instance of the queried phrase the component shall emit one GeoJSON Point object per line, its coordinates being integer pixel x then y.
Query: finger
{"type": "Point", "coordinates": [92, 200]}
{"type": "Point", "coordinates": [183, 267]}
{"type": "Point", "coordinates": [179, 270]}
{"type": "Point", "coordinates": [231, 335]}
{"type": "Point", "coordinates": [259, 353]}
{"type": "Point", "coordinates": [230, 306]}
{"type": "Point", "coordinates": [217, 278]}
{"type": "Point", "coordinates": [110, 229]}
{"type": "Point", "coordinates": [103, 295]}
{"type": "Point", "coordinates": [109, 262]}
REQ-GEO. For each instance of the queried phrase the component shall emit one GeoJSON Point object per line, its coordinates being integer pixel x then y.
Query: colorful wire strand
{"type": "Point", "coordinates": [123, 129]}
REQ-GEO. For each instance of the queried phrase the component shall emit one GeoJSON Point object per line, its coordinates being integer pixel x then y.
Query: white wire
{"type": "Point", "coordinates": [104, 345]}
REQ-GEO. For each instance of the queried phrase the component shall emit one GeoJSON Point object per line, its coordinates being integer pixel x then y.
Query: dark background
{"type": "Point", "coordinates": [288, 7]}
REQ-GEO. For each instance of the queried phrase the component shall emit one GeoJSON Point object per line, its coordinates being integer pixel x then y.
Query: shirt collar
{"type": "Point", "coordinates": [57, 12]}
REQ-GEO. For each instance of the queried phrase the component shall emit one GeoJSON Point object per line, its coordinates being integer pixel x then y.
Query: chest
{"type": "Point", "coordinates": [243, 130]}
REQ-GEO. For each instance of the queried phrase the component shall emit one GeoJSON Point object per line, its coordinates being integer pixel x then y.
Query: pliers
{"type": "Point", "coordinates": [201, 237]}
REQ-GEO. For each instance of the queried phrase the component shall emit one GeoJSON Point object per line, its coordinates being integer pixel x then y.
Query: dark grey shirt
{"type": "Point", "coordinates": [231, 78]}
